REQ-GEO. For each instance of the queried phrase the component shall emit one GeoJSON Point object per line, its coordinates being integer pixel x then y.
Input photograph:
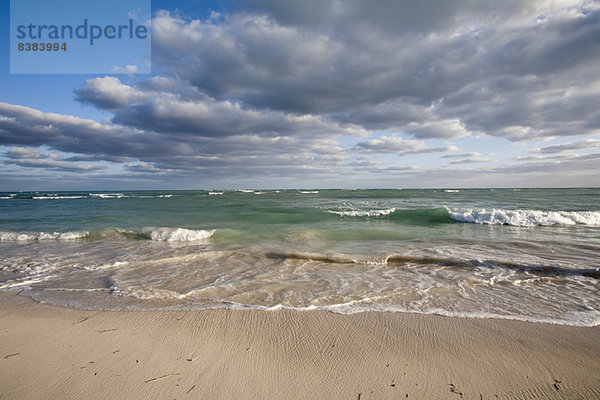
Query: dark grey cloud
{"type": "Point", "coordinates": [25, 126]}
{"type": "Point", "coordinates": [158, 106]}
{"type": "Point", "coordinates": [166, 155]}
{"type": "Point", "coordinates": [519, 70]}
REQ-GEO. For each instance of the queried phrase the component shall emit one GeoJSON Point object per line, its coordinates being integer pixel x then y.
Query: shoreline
{"type": "Point", "coordinates": [49, 351]}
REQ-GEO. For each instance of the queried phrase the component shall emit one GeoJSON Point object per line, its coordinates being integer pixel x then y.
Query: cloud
{"type": "Point", "coordinates": [128, 69]}
{"type": "Point", "coordinates": [157, 105]}
{"type": "Point", "coordinates": [428, 70]}
{"type": "Point", "coordinates": [581, 145]}
{"type": "Point", "coordinates": [162, 154]}
{"type": "Point", "coordinates": [468, 158]}
{"type": "Point", "coordinates": [30, 158]}
{"type": "Point", "coordinates": [108, 93]}
{"type": "Point", "coordinates": [472, 160]}
{"type": "Point", "coordinates": [25, 126]}
{"type": "Point", "coordinates": [315, 89]}
{"type": "Point", "coordinates": [463, 155]}
{"type": "Point", "coordinates": [397, 145]}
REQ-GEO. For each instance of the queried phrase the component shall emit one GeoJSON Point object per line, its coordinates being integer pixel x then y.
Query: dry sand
{"type": "Point", "coordinates": [50, 352]}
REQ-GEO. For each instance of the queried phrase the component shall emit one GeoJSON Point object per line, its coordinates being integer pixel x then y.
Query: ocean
{"type": "Point", "coordinates": [524, 254]}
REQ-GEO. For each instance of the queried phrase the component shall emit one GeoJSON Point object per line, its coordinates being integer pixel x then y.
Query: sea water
{"type": "Point", "coordinates": [526, 254]}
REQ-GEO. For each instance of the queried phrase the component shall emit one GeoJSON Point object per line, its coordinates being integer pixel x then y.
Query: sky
{"type": "Point", "coordinates": [321, 94]}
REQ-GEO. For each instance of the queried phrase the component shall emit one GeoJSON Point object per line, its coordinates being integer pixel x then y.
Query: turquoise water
{"type": "Point", "coordinates": [528, 254]}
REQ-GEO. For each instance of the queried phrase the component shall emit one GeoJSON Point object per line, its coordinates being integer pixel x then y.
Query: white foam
{"type": "Point", "coordinates": [23, 236]}
{"type": "Point", "coordinates": [13, 284]}
{"type": "Point", "coordinates": [452, 191]}
{"type": "Point", "coordinates": [214, 193]}
{"type": "Point", "coordinates": [308, 191]}
{"type": "Point", "coordinates": [56, 197]}
{"type": "Point", "coordinates": [107, 195]}
{"type": "Point", "coordinates": [525, 217]}
{"type": "Point", "coordinates": [363, 213]}
{"type": "Point", "coordinates": [584, 318]}
{"type": "Point", "coordinates": [180, 234]}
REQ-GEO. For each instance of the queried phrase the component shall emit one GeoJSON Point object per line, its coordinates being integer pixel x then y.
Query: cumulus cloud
{"type": "Point", "coordinates": [26, 126]}
{"type": "Point", "coordinates": [158, 106]}
{"type": "Point", "coordinates": [519, 70]}
{"type": "Point", "coordinates": [149, 152]}
{"type": "Point", "coordinates": [108, 93]}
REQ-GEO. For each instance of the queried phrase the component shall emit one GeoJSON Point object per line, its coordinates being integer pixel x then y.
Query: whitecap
{"type": "Point", "coordinates": [23, 236]}
{"type": "Point", "coordinates": [180, 234]}
{"type": "Point", "coordinates": [363, 213]}
{"type": "Point", "coordinates": [525, 217]}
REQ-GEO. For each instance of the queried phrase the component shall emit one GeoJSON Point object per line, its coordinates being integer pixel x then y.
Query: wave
{"type": "Point", "coordinates": [214, 193]}
{"type": "Point", "coordinates": [181, 234]}
{"type": "Point", "coordinates": [525, 217]}
{"type": "Point", "coordinates": [29, 236]}
{"type": "Point", "coordinates": [337, 282]}
{"type": "Point", "coordinates": [148, 233]}
{"type": "Point", "coordinates": [363, 213]}
{"type": "Point", "coordinates": [81, 195]}
{"type": "Point", "coordinates": [56, 197]}
{"type": "Point", "coordinates": [309, 257]}
{"type": "Point", "coordinates": [107, 195]}
{"type": "Point", "coordinates": [455, 263]}
{"type": "Point", "coordinates": [452, 191]}
{"type": "Point", "coordinates": [308, 191]}
{"type": "Point", "coordinates": [401, 260]}
{"type": "Point", "coordinates": [424, 216]}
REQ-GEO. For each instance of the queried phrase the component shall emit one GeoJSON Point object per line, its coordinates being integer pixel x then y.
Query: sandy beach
{"type": "Point", "coordinates": [50, 352]}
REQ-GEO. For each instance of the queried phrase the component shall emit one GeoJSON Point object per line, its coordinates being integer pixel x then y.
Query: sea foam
{"type": "Point", "coordinates": [363, 213]}
{"type": "Point", "coordinates": [180, 234]}
{"type": "Point", "coordinates": [525, 217]}
{"type": "Point", "coordinates": [24, 236]}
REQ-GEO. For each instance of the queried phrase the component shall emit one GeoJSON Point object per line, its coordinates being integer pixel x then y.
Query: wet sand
{"type": "Point", "coordinates": [51, 352]}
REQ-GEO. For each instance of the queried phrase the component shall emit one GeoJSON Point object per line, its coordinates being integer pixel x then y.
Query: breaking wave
{"type": "Point", "coordinates": [27, 236]}
{"type": "Point", "coordinates": [180, 234]}
{"type": "Point", "coordinates": [82, 195]}
{"type": "Point", "coordinates": [363, 213]}
{"type": "Point", "coordinates": [525, 217]}
{"type": "Point", "coordinates": [425, 216]}
{"type": "Point", "coordinates": [157, 234]}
